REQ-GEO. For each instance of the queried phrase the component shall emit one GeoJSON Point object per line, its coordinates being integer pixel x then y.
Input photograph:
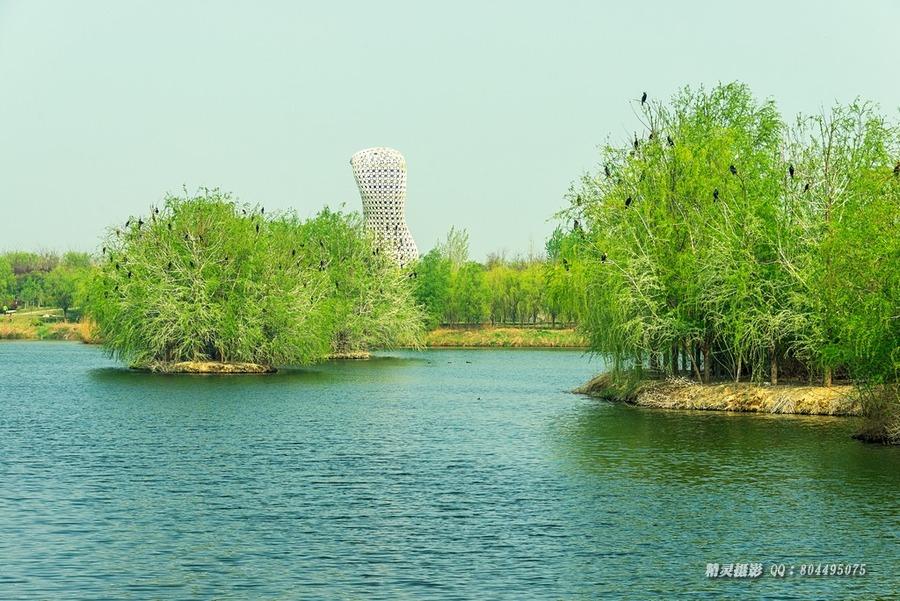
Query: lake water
{"type": "Point", "coordinates": [447, 474]}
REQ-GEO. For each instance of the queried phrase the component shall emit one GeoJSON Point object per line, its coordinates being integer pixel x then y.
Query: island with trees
{"type": "Point", "coordinates": [205, 283]}
{"type": "Point", "coordinates": [721, 243]}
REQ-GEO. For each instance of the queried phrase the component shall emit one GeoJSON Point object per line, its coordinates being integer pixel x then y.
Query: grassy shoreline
{"type": "Point", "coordinates": [680, 393]}
{"type": "Point", "coordinates": [32, 327]}
{"type": "Point", "coordinates": [500, 337]}
{"type": "Point", "coordinates": [37, 329]}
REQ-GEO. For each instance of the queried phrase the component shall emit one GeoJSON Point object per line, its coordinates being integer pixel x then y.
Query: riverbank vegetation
{"type": "Point", "coordinates": [499, 337]}
{"type": "Point", "coordinates": [45, 324]}
{"type": "Point", "coordinates": [536, 289]}
{"type": "Point", "coordinates": [34, 280]}
{"type": "Point", "coordinates": [206, 278]}
{"type": "Point", "coordinates": [683, 393]}
{"type": "Point", "coordinates": [724, 243]}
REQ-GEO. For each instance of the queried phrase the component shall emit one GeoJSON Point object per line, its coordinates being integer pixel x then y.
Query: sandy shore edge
{"type": "Point", "coordinates": [680, 393]}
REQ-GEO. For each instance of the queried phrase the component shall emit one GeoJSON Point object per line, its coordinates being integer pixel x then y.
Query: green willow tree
{"type": "Point", "coordinates": [7, 281]}
{"type": "Point", "coordinates": [432, 285]}
{"type": "Point", "coordinates": [678, 249]}
{"type": "Point", "coordinates": [206, 278]}
{"type": "Point", "coordinates": [721, 242]}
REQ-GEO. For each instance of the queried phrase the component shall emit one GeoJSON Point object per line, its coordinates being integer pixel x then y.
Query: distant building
{"type": "Point", "coordinates": [381, 178]}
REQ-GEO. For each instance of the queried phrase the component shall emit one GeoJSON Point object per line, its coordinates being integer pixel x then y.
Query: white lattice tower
{"type": "Point", "coordinates": [381, 178]}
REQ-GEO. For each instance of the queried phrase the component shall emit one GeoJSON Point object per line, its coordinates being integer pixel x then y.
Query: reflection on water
{"type": "Point", "coordinates": [436, 475]}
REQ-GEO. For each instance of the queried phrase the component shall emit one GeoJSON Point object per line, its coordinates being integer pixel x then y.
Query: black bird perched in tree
{"type": "Point", "coordinates": [104, 250]}
{"type": "Point", "coordinates": [578, 200]}
{"type": "Point", "coordinates": [606, 170]}
{"type": "Point", "coordinates": [636, 142]}
{"type": "Point", "coordinates": [192, 264]}
{"type": "Point", "coordinates": [897, 169]}
{"type": "Point", "coordinates": [650, 137]}
{"type": "Point", "coordinates": [257, 228]}
{"type": "Point", "coordinates": [170, 226]}
{"type": "Point", "coordinates": [186, 237]}
{"type": "Point", "coordinates": [644, 98]}
{"type": "Point", "coordinates": [293, 252]}
{"type": "Point", "coordinates": [170, 266]}
{"type": "Point", "coordinates": [627, 202]}
{"type": "Point", "coordinates": [791, 171]}
{"type": "Point", "coordinates": [117, 266]}
{"type": "Point", "coordinates": [576, 225]}
{"type": "Point", "coordinates": [129, 274]}
{"type": "Point", "coordinates": [670, 140]}
{"type": "Point", "coordinates": [140, 223]}
{"type": "Point", "coordinates": [156, 210]}
{"type": "Point", "coordinates": [733, 169]}
{"type": "Point", "coordinates": [603, 258]}
{"type": "Point", "coordinates": [244, 211]}
{"type": "Point", "coordinates": [262, 210]}
{"type": "Point", "coordinates": [565, 264]}
{"type": "Point", "coordinates": [806, 187]}
{"type": "Point", "coordinates": [715, 194]}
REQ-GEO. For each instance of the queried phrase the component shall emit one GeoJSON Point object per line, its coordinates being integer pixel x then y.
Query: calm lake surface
{"type": "Point", "coordinates": [446, 474]}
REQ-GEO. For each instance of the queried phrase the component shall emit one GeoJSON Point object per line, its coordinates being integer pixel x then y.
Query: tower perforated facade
{"type": "Point", "coordinates": [381, 178]}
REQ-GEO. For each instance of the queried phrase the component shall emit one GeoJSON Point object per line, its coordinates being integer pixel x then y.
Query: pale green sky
{"type": "Point", "coordinates": [105, 105]}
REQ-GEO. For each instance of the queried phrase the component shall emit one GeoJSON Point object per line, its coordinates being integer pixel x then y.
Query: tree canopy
{"type": "Point", "coordinates": [205, 277]}
{"type": "Point", "coordinates": [721, 241]}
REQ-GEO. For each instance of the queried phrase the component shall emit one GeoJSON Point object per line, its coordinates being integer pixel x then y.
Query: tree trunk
{"type": "Point", "coordinates": [828, 376]}
{"type": "Point", "coordinates": [654, 364]}
{"type": "Point", "coordinates": [773, 365]}
{"type": "Point", "coordinates": [687, 351]}
{"type": "Point", "coordinates": [705, 364]}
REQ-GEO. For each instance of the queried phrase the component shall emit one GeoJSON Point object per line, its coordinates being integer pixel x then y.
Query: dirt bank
{"type": "Point", "coordinates": [206, 367]}
{"type": "Point", "coordinates": [680, 393]}
{"type": "Point", "coordinates": [499, 337]}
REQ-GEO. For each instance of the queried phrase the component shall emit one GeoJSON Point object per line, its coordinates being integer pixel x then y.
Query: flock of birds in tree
{"type": "Point", "coordinates": [121, 263]}
{"type": "Point", "coordinates": [715, 194]}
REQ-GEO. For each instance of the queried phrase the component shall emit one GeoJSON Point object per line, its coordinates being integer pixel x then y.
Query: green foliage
{"type": "Point", "coordinates": [718, 240]}
{"type": "Point", "coordinates": [23, 262]}
{"type": "Point", "coordinates": [522, 290]}
{"type": "Point", "coordinates": [31, 288]}
{"type": "Point", "coordinates": [76, 260]}
{"type": "Point", "coordinates": [469, 294]}
{"type": "Point", "coordinates": [455, 247]}
{"type": "Point", "coordinates": [7, 281]}
{"type": "Point", "coordinates": [64, 284]}
{"type": "Point", "coordinates": [432, 289]}
{"type": "Point", "coordinates": [206, 278]}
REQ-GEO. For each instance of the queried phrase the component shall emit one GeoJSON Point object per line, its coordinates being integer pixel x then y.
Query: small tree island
{"type": "Point", "coordinates": [207, 284]}
{"type": "Point", "coordinates": [722, 244]}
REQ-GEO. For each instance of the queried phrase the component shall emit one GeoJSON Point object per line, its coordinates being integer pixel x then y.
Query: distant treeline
{"type": "Point", "coordinates": [31, 279]}
{"type": "Point", "coordinates": [526, 290]}
{"type": "Point", "coordinates": [535, 289]}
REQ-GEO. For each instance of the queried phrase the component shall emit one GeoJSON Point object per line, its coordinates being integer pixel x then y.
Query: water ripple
{"type": "Point", "coordinates": [441, 475]}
